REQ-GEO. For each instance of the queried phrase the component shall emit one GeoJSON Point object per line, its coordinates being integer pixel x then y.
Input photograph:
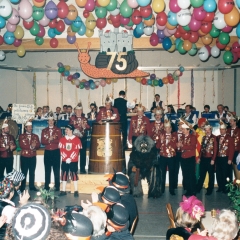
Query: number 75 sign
{"type": "Point", "coordinates": [119, 59]}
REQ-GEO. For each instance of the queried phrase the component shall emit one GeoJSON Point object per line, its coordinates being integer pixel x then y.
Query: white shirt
{"type": "Point", "coordinates": [221, 115]}
{"type": "Point", "coordinates": [157, 104]}
{"type": "Point", "coordinates": [194, 118]}
{"type": "Point", "coordinates": [130, 105]}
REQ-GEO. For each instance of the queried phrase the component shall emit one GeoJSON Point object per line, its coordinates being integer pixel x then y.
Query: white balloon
{"type": "Point", "coordinates": [215, 51]}
{"type": "Point", "coordinates": [116, 11]}
{"type": "Point", "coordinates": [77, 82]}
{"type": "Point", "coordinates": [148, 30]}
{"type": "Point", "coordinates": [219, 21]}
{"type": "Point", "coordinates": [2, 55]}
{"type": "Point", "coordinates": [25, 9]}
{"type": "Point", "coordinates": [203, 54]}
{"type": "Point", "coordinates": [184, 17]}
{"type": "Point", "coordinates": [183, 4]}
{"type": "Point", "coordinates": [5, 8]}
{"type": "Point", "coordinates": [44, 21]}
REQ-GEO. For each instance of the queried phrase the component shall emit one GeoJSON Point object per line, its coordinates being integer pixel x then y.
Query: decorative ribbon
{"type": "Point", "coordinates": [213, 93]}
{"type": "Point", "coordinates": [204, 88]}
{"type": "Point", "coordinates": [102, 95]}
{"type": "Point", "coordinates": [76, 96]}
{"type": "Point", "coordinates": [140, 92]}
{"type": "Point", "coordinates": [47, 89]}
{"type": "Point", "coordinates": [89, 98]}
{"type": "Point", "coordinates": [192, 87]}
{"type": "Point", "coordinates": [178, 93]}
{"type": "Point", "coordinates": [61, 89]}
{"type": "Point", "coordinates": [126, 88]}
{"type": "Point", "coordinates": [223, 87]}
{"type": "Point", "coordinates": [113, 90]}
{"type": "Point", "coordinates": [34, 92]}
{"type": "Point", "coordinates": [154, 85]}
{"type": "Point", "coordinates": [167, 90]}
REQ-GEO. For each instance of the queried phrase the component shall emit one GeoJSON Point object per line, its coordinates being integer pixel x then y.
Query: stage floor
{"type": "Point", "coordinates": [153, 220]}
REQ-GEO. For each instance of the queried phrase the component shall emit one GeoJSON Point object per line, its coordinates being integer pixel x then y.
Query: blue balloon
{"type": "Point", "coordinates": [2, 22]}
{"type": "Point", "coordinates": [51, 33]}
{"type": "Point", "coordinates": [90, 81]}
{"type": "Point", "coordinates": [67, 21]}
{"type": "Point", "coordinates": [238, 30]}
{"type": "Point", "coordinates": [77, 74]}
{"type": "Point", "coordinates": [167, 43]}
{"type": "Point", "coordinates": [177, 41]}
{"type": "Point", "coordinates": [92, 85]}
{"type": "Point", "coordinates": [160, 40]}
{"type": "Point", "coordinates": [160, 33]}
{"type": "Point", "coordinates": [149, 82]}
{"type": "Point", "coordinates": [149, 17]}
{"type": "Point", "coordinates": [9, 37]}
{"type": "Point", "coordinates": [77, 22]}
{"type": "Point", "coordinates": [135, 34]}
{"type": "Point", "coordinates": [209, 5]}
{"type": "Point", "coordinates": [172, 18]}
{"type": "Point", "coordinates": [82, 30]}
{"type": "Point", "coordinates": [238, 3]}
{"type": "Point", "coordinates": [181, 69]}
{"type": "Point", "coordinates": [56, 31]}
{"type": "Point", "coordinates": [66, 73]}
{"type": "Point", "coordinates": [139, 28]}
{"type": "Point", "coordinates": [160, 83]}
{"type": "Point", "coordinates": [14, 1]}
{"type": "Point", "coordinates": [143, 3]}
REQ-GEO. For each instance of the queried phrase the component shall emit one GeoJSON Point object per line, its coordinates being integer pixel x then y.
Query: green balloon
{"type": "Point", "coordinates": [214, 31]}
{"type": "Point", "coordinates": [193, 50]}
{"type": "Point", "coordinates": [101, 12]}
{"type": "Point", "coordinates": [38, 13]}
{"type": "Point", "coordinates": [39, 40]}
{"type": "Point", "coordinates": [224, 38]}
{"type": "Point", "coordinates": [228, 57]}
{"type": "Point", "coordinates": [74, 29]}
{"type": "Point", "coordinates": [56, 31]}
{"type": "Point", "coordinates": [61, 69]}
{"type": "Point", "coordinates": [186, 28]}
{"type": "Point", "coordinates": [180, 48]}
{"type": "Point", "coordinates": [81, 85]}
{"type": "Point", "coordinates": [35, 29]}
{"type": "Point", "coordinates": [125, 9]}
{"type": "Point", "coordinates": [130, 24]}
{"type": "Point", "coordinates": [196, 3]}
{"type": "Point", "coordinates": [155, 82]}
{"type": "Point", "coordinates": [175, 77]}
{"type": "Point", "coordinates": [112, 5]}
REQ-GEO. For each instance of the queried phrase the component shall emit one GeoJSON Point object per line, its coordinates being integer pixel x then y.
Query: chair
{"type": "Point", "coordinates": [170, 215]}
{"type": "Point", "coordinates": [134, 225]}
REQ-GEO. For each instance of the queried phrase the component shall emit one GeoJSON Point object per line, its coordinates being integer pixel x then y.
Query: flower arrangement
{"type": "Point", "coordinates": [234, 196]}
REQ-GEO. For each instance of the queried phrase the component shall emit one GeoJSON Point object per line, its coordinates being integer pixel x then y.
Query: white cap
{"type": "Point", "coordinates": [5, 123]}
{"type": "Point", "coordinates": [222, 124]}
{"type": "Point", "coordinates": [50, 116]}
{"type": "Point", "coordinates": [167, 123]}
{"type": "Point", "coordinates": [108, 100]}
{"type": "Point", "coordinates": [28, 123]}
{"type": "Point", "coordinates": [79, 106]}
{"type": "Point", "coordinates": [185, 124]}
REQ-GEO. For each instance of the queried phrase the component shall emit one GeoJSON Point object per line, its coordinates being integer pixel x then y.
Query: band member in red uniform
{"type": "Point", "coordinates": [224, 157]}
{"type": "Point", "coordinates": [7, 146]}
{"type": "Point", "coordinates": [29, 143]}
{"type": "Point", "coordinates": [70, 146]}
{"type": "Point", "coordinates": [167, 145]}
{"type": "Point", "coordinates": [80, 123]}
{"type": "Point", "coordinates": [108, 113]}
{"type": "Point", "coordinates": [207, 157]}
{"type": "Point", "coordinates": [157, 125]}
{"type": "Point", "coordinates": [188, 163]}
{"type": "Point", "coordinates": [50, 138]}
{"type": "Point", "coordinates": [139, 125]}
{"type": "Point", "coordinates": [234, 132]}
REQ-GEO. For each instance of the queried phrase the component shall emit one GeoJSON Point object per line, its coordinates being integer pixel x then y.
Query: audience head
{"type": "Point", "coordinates": [108, 103]}
{"type": "Point", "coordinates": [202, 122]}
{"type": "Point", "coordinates": [69, 130]}
{"type": "Point", "coordinates": [28, 126]}
{"type": "Point", "coordinates": [15, 177]}
{"type": "Point", "coordinates": [208, 128]}
{"type": "Point", "coordinates": [157, 97]}
{"type": "Point", "coordinates": [220, 108]}
{"type": "Point", "coordinates": [5, 127]}
{"type": "Point", "coordinates": [50, 119]}
{"type": "Point", "coordinates": [225, 225]}
{"type": "Point", "coordinates": [98, 218]}
{"type": "Point", "coordinates": [140, 110]}
{"type": "Point", "coordinates": [121, 182]}
{"type": "Point", "coordinates": [58, 110]}
{"type": "Point", "coordinates": [158, 113]}
{"type": "Point", "coordinates": [39, 110]}
{"type": "Point", "coordinates": [180, 126]}
{"type": "Point", "coordinates": [188, 108]}
{"type": "Point", "coordinates": [9, 109]}
{"type": "Point", "coordinates": [170, 109]}
{"type": "Point", "coordinates": [69, 109]}
{"type": "Point", "coordinates": [93, 106]}
{"type": "Point", "coordinates": [122, 93]}
{"type": "Point", "coordinates": [110, 196]}
{"type": "Point", "coordinates": [167, 126]}
{"type": "Point", "coordinates": [207, 108]}
{"type": "Point", "coordinates": [45, 109]}
{"type": "Point", "coordinates": [65, 108]}
{"type": "Point", "coordinates": [233, 120]}
{"type": "Point", "coordinates": [79, 109]}
{"type": "Point", "coordinates": [226, 108]}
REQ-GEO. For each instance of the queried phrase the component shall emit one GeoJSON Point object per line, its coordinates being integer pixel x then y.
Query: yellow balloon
{"type": "Point", "coordinates": [232, 18]}
{"type": "Point", "coordinates": [114, 80]}
{"type": "Point", "coordinates": [89, 32]}
{"type": "Point", "coordinates": [158, 6]}
{"type": "Point", "coordinates": [150, 21]}
{"type": "Point", "coordinates": [19, 32]}
{"type": "Point", "coordinates": [108, 80]}
{"type": "Point", "coordinates": [39, 4]}
{"type": "Point", "coordinates": [72, 12]}
{"type": "Point", "coordinates": [172, 48]}
{"type": "Point", "coordinates": [81, 3]}
{"type": "Point", "coordinates": [90, 22]}
{"type": "Point", "coordinates": [21, 51]}
{"type": "Point", "coordinates": [138, 79]}
{"type": "Point", "coordinates": [103, 3]}
{"type": "Point", "coordinates": [67, 67]}
{"type": "Point", "coordinates": [73, 82]}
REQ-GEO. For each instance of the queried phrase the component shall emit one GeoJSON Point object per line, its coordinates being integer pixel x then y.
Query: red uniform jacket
{"type": "Point", "coordinates": [139, 126]}
{"type": "Point", "coordinates": [111, 114]}
{"type": "Point", "coordinates": [6, 140]}
{"type": "Point", "coordinates": [209, 147]}
{"type": "Point", "coordinates": [25, 141]}
{"type": "Point", "coordinates": [156, 130]}
{"type": "Point", "coordinates": [235, 134]}
{"type": "Point", "coordinates": [56, 133]}
{"type": "Point", "coordinates": [69, 148]}
{"type": "Point", "coordinates": [80, 123]}
{"type": "Point", "coordinates": [189, 146]}
{"type": "Point", "coordinates": [225, 146]}
{"type": "Point", "coordinates": [168, 145]}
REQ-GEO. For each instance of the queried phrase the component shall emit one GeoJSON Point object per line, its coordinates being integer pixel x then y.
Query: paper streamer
{"type": "Point", "coordinates": [47, 89]}
{"type": "Point", "coordinates": [178, 93]}
{"type": "Point", "coordinates": [61, 89]}
{"type": "Point", "coordinates": [34, 92]}
{"type": "Point", "coordinates": [126, 88]}
{"type": "Point", "coordinates": [204, 88]}
{"type": "Point", "coordinates": [113, 90]}
{"type": "Point", "coordinates": [213, 84]}
{"type": "Point", "coordinates": [223, 87]}
{"type": "Point", "coordinates": [192, 87]}
{"type": "Point", "coordinates": [167, 90]}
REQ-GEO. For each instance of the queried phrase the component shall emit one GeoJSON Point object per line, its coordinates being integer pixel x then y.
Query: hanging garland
{"type": "Point", "coordinates": [167, 89]}
{"type": "Point", "coordinates": [34, 91]}
{"type": "Point", "coordinates": [204, 88]}
{"type": "Point", "coordinates": [223, 87]}
{"type": "Point", "coordinates": [192, 87]}
{"type": "Point", "coordinates": [47, 89]}
{"type": "Point", "coordinates": [61, 89]}
{"type": "Point", "coordinates": [213, 91]}
{"type": "Point", "coordinates": [126, 88]}
{"type": "Point", "coordinates": [178, 93]}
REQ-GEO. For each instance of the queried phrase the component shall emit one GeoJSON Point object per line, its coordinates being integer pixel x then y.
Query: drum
{"type": "Point", "coordinates": [106, 152]}
{"type": "Point", "coordinates": [12, 125]}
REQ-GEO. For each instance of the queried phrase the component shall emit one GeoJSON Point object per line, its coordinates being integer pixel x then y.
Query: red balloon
{"type": "Point", "coordinates": [238, 53]}
{"type": "Point", "coordinates": [53, 42]}
{"type": "Point", "coordinates": [41, 32]}
{"type": "Point", "coordinates": [186, 35]}
{"type": "Point", "coordinates": [62, 9]}
{"type": "Point", "coordinates": [136, 17]}
{"type": "Point", "coordinates": [85, 13]}
{"type": "Point", "coordinates": [235, 47]}
{"type": "Point", "coordinates": [225, 6]}
{"type": "Point", "coordinates": [219, 45]}
{"type": "Point", "coordinates": [60, 26]}
{"type": "Point", "coordinates": [161, 18]}
{"type": "Point", "coordinates": [146, 11]}
{"type": "Point", "coordinates": [235, 57]}
{"type": "Point", "coordinates": [177, 34]}
{"type": "Point", "coordinates": [206, 27]}
{"type": "Point", "coordinates": [53, 23]}
{"type": "Point", "coordinates": [171, 80]}
{"type": "Point", "coordinates": [115, 18]}
{"type": "Point", "coordinates": [181, 29]}
{"type": "Point", "coordinates": [1, 40]}
{"type": "Point", "coordinates": [208, 48]}
{"type": "Point", "coordinates": [209, 17]}
{"type": "Point", "coordinates": [116, 24]}
{"type": "Point", "coordinates": [144, 81]}
{"type": "Point", "coordinates": [154, 39]}
{"type": "Point", "coordinates": [193, 37]}
{"type": "Point", "coordinates": [63, 74]}
{"type": "Point", "coordinates": [70, 78]}
{"type": "Point", "coordinates": [101, 23]}
{"type": "Point", "coordinates": [227, 29]}
{"type": "Point", "coordinates": [28, 25]}
{"type": "Point", "coordinates": [17, 42]}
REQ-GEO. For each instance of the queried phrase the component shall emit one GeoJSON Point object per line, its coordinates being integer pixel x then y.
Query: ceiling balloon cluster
{"type": "Point", "coordinates": [186, 22]}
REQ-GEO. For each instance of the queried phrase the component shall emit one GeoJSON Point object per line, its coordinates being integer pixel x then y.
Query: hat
{"type": "Point", "coordinates": [5, 123]}
{"type": "Point", "coordinates": [79, 106]}
{"type": "Point", "coordinates": [140, 107]}
{"type": "Point", "coordinates": [29, 122]}
{"type": "Point", "coordinates": [15, 176]}
{"type": "Point", "coordinates": [69, 126]}
{"type": "Point", "coordinates": [118, 216]}
{"type": "Point", "coordinates": [166, 122]}
{"type": "Point", "coordinates": [158, 110]}
{"type": "Point", "coordinates": [31, 221]}
{"type": "Point", "coordinates": [6, 186]}
{"type": "Point", "coordinates": [207, 125]}
{"type": "Point", "coordinates": [185, 124]}
{"type": "Point", "coordinates": [93, 104]}
{"type": "Point", "coordinates": [201, 121]}
{"type": "Point", "coordinates": [231, 116]}
{"type": "Point", "coordinates": [108, 100]}
{"type": "Point", "coordinates": [120, 182]}
{"type": "Point", "coordinates": [50, 116]}
{"type": "Point", "coordinates": [109, 194]}
{"type": "Point", "coordinates": [222, 124]}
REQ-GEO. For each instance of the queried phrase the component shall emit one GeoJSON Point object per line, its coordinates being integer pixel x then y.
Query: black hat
{"type": "Point", "coordinates": [121, 182]}
{"type": "Point", "coordinates": [31, 222]}
{"type": "Point", "coordinates": [118, 215]}
{"type": "Point", "coordinates": [111, 194]}
{"type": "Point", "coordinates": [71, 127]}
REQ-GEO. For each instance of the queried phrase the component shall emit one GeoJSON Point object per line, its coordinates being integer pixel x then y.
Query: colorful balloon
{"type": "Point", "coordinates": [62, 10]}
{"type": "Point", "coordinates": [6, 8]}
{"type": "Point", "coordinates": [113, 5]}
{"type": "Point", "coordinates": [38, 13]}
{"type": "Point", "coordinates": [8, 38]}
{"type": "Point", "coordinates": [21, 51]}
{"type": "Point", "coordinates": [90, 5]}
{"type": "Point", "coordinates": [51, 10]}
{"type": "Point", "coordinates": [173, 6]}
{"type": "Point", "coordinates": [158, 6]}
{"type": "Point", "coordinates": [35, 29]}
{"type": "Point", "coordinates": [203, 54]}
{"type": "Point", "coordinates": [228, 57]}
{"type": "Point", "coordinates": [219, 21]}
{"type": "Point", "coordinates": [196, 3]}
{"type": "Point", "coordinates": [225, 6]}
{"type": "Point", "coordinates": [215, 51]}
{"type": "Point", "coordinates": [72, 12]}
{"type": "Point", "coordinates": [125, 9]}
{"type": "Point", "coordinates": [143, 3]}
{"type": "Point", "coordinates": [81, 3]}
{"type": "Point", "coordinates": [209, 6]}
{"type": "Point", "coordinates": [15, 18]}
{"type": "Point", "coordinates": [19, 32]}
{"type": "Point", "coordinates": [184, 17]}
{"type": "Point", "coordinates": [232, 18]}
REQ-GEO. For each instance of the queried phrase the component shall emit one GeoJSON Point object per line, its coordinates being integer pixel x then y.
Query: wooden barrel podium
{"type": "Point", "coordinates": [106, 152]}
